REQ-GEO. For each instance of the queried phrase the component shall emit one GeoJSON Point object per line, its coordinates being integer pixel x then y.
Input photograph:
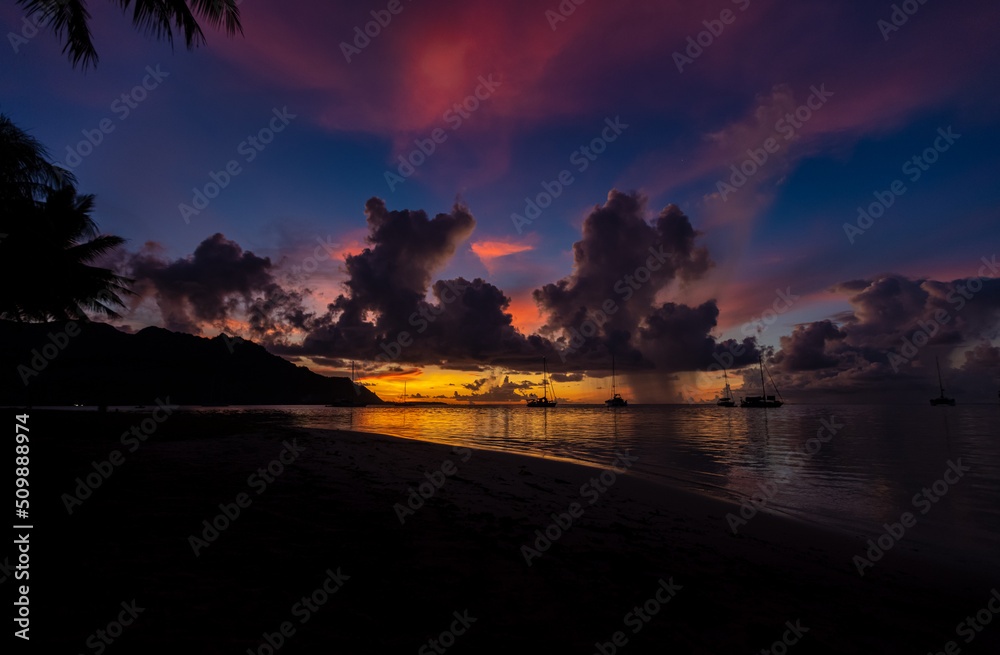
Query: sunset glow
{"type": "Point", "coordinates": [481, 181]}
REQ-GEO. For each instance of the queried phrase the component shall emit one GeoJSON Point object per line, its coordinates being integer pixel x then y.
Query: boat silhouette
{"type": "Point", "coordinates": [727, 400]}
{"type": "Point", "coordinates": [350, 402]}
{"type": "Point", "coordinates": [544, 400]}
{"type": "Point", "coordinates": [616, 399]}
{"type": "Point", "coordinates": [942, 399]}
{"type": "Point", "coordinates": [764, 401]}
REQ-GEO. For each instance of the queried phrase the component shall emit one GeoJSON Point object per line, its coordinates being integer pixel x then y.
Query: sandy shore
{"type": "Point", "coordinates": [343, 521]}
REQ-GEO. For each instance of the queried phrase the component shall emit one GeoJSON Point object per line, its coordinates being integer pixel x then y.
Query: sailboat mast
{"type": "Point", "coordinates": [940, 383]}
{"type": "Point", "coordinates": [614, 389]}
{"type": "Point", "coordinates": [545, 380]}
{"type": "Point", "coordinates": [763, 389]}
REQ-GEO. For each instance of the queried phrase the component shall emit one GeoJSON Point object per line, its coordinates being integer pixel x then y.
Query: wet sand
{"type": "Point", "coordinates": [655, 564]}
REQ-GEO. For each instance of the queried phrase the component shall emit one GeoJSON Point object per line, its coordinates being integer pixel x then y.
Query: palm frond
{"type": "Point", "coordinates": [220, 13]}
{"type": "Point", "coordinates": [50, 240]}
{"type": "Point", "coordinates": [25, 169]}
{"type": "Point", "coordinates": [93, 249]}
{"type": "Point", "coordinates": [159, 18]}
{"type": "Point", "coordinates": [70, 17]}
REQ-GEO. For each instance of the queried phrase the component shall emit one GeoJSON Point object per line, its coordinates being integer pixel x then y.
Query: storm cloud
{"type": "Point", "coordinates": [218, 282]}
{"type": "Point", "coordinates": [889, 341]}
{"type": "Point", "coordinates": [391, 310]}
{"type": "Point", "coordinates": [622, 264]}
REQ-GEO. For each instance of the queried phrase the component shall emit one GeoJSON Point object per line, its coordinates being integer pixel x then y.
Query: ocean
{"type": "Point", "coordinates": [854, 468]}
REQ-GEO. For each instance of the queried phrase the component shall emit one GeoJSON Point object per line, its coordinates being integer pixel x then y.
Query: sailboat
{"type": "Point", "coordinates": [941, 400]}
{"type": "Point", "coordinates": [616, 399]}
{"type": "Point", "coordinates": [356, 401]}
{"type": "Point", "coordinates": [765, 400]}
{"type": "Point", "coordinates": [727, 400]}
{"type": "Point", "coordinates": [544, 400]}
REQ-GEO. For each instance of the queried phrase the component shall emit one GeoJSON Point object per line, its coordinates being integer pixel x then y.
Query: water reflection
{"type": "Point", "coordinates": [864, 474]}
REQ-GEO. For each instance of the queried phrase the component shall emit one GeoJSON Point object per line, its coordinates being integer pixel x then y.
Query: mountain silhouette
{"type": "Point", "coordinates": [95, 363]}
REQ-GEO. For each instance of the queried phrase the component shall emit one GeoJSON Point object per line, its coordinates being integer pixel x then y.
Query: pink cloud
{"type": "Point", "coordinates": [489, 251]}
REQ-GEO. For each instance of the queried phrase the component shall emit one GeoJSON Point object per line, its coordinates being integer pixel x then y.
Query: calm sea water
{"type": "Point", "coordinates": [874, 461]}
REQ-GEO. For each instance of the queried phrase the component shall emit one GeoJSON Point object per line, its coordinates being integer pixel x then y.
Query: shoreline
{"type": "Point", "coordinates": [646, 486]}
{"type": "Point", "coordinates": [728, 501]}
{"type": "Point", "coordinates": [334, 508]}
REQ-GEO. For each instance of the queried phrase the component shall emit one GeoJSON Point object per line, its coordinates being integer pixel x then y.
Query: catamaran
{"type": "Point", "coordinates": [544, 400]}
{"type": "Point", "coordinates": [941, 400]}
{"type": "Point", "coordinates": [616, 399]}
{"type": "Point", "coordinates": [765, 400]}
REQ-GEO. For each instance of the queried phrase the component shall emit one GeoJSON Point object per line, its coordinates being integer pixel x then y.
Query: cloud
{"type": "Point", "coordinates": [811, 347]}
{"type": "Point", "coordinates": [622, 265]}
{"type": "Point", "coordinates": [475, 386]}
{"type": "Point", "coordinates": [886, 346]}
{"type": "Point", "coordinates": [489, 251]}
{"type": "Point", "coordinates": [392, 275]}
{"type": "Point", "coordinates": [505, 391]}
{"type": "Point", "coordinates": [492, 249]}
{"type": "Point", "coordinates": [391, 310]}
{"type": "Point", "coordinates": [217, 283]}
{"type": "Point", "coordinates": [983, 357]}
{"type": "Point", "coordinates": [677, 338]}
{"type": "Point", "coordinates": [618, 242]}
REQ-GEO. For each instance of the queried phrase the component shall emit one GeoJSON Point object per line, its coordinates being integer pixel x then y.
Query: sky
{"type": "Point", "coordinates": [470, 187]}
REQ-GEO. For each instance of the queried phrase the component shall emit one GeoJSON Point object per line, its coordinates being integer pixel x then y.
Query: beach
{"type": "Point", "coordinates": [234, 535]}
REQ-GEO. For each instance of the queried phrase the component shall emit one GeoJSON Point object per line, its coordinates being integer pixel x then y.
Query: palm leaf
{"type": "Point", "coordinates": [69, 19]}
{"type": "Point", "coordinates": [50, 240]}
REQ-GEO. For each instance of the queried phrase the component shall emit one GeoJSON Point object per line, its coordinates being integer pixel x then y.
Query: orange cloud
{"type": "Point", "coordinates": [492, 249]}
{"type": "Point", "coordinates": [489, 251]}
{"type": "Point", "coordinates": [527, 317]}
{"type": "Point", "coordinates": [394, 374]}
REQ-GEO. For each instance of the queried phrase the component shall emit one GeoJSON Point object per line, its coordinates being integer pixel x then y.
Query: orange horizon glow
{"type": "Point", "coordinates": [434, 384]}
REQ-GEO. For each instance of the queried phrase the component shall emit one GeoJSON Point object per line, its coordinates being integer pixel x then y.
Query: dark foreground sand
{"type": "Point", "coordinates": [400, 585]}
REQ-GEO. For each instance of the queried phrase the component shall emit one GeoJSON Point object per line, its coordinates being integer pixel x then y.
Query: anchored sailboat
{"type": "Point", "coordinates": [544, 400]}
{"type": "Point", "coordinates": [727, 400]}
{"type": "Point", "coordinates": [942, 399]}
{"type": "Point", "coordinates": [356, 401]}
{"type": "Point", "coordinates": [765, 400]}
{"type": "Point", "coordinates": [616, 399]}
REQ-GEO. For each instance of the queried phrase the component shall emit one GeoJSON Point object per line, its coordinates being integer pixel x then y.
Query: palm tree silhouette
{"type": "Point", "coordinates": [48, 240]}
{"type": "Point", "coordinates": [156, 17]}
